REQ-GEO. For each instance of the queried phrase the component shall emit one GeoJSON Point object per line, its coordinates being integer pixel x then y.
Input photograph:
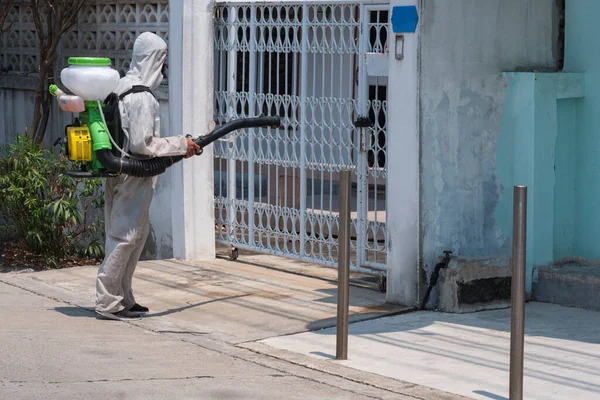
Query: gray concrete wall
{"type": "Point", "coordinates": [17, 99]}
{"type": "Point", "coordinates": [465, 45]}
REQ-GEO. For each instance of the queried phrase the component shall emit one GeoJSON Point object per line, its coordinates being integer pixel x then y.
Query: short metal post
{"type": "Point", "coordinates": [343, 267]}
{"type": "Point", "coordinates": [517, 325]}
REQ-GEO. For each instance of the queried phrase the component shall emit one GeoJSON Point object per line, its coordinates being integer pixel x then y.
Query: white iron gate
{"type": "Point", "coordinates": [322, 68]}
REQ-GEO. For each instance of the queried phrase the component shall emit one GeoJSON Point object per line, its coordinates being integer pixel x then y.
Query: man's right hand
{"type": "Point", "coordinates": [192, 148]}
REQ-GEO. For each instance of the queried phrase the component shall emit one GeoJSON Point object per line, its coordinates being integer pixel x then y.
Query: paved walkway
{"type": "Point", "coordinates": [198, 341]}
{"type": "Point", "coordinates": [54, 351]}
{"type": "Point", "coordinates": [229, 330]}
{"type": "Point", "coordinates": [469, 354]}
{"type": "Point", "coordinates": [235, 301]}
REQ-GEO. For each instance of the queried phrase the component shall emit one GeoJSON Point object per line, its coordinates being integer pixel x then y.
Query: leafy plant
{"type": "Point", "coordinates": [53, 214]}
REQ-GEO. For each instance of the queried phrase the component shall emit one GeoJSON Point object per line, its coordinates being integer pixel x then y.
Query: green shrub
{"type": "Point", "coordinates": [52, 214]}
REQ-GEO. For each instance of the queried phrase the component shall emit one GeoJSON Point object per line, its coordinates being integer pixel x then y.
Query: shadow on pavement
{"type": "Point", "coordinates": [89, 312]}
{"type": "Point", "coordinates": [462, 331]}
{"type": "Point", "coordinates": [542, 320]}
{"type": "Point", "coordinates": [321, 354]}
{"type": "Point", "coordinates": [180, 309]}
{"type": "Point", "coordinates": [489, 395]}
{"type": "Point", "coordinates": [76, 311]}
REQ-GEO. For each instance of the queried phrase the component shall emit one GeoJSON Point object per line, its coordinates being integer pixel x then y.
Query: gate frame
{"type": "Point", "coordinates": [360, 167]}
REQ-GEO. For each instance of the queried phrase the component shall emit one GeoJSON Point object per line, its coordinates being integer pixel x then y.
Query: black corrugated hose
{"type": "Point", "coordinates": [156, 166]}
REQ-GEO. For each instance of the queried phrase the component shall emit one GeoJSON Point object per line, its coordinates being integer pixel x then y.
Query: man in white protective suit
{"type": "Point", "coordinates": [127, 198]}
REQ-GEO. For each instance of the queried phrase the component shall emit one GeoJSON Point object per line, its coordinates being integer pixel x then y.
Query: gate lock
{"type": "Point", "coordinates": [364, 122]}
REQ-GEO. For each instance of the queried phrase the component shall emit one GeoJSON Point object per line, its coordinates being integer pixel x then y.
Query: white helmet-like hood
{"type": "Point", "coordinates": [149, 55]}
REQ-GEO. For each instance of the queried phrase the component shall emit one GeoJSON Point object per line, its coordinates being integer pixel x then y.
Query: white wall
{"type": "Point", "coordinates": [191, 96]}
{"type": "Point", "coordinates": [403, 169]}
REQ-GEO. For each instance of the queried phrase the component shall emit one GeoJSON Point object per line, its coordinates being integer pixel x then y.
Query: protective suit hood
{"type": "Point", "coordinates": [149, 55]}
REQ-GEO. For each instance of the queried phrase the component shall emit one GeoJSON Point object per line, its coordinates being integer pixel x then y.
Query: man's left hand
{"type": "Point", "coordinates": [192, 148]}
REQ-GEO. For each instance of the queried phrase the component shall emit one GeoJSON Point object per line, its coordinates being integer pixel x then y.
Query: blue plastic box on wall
{"type": "Point", "coordinates": [404, 19]}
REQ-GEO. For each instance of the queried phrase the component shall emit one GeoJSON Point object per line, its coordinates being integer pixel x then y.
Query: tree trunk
{"type": "Point", "coordinates": [5, 8]}
{"type": "Point", "coordinates": [60, 16]}
{"type": "Point", "coordinates": [39, 100]}
{"type": "Point", "coordinates": [46, 109]}
{"type": "Point", "coordinates": [47, 59]}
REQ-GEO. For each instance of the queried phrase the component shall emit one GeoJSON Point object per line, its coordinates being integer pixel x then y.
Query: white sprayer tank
{"type": "Point", "coordinates": [90, 78]}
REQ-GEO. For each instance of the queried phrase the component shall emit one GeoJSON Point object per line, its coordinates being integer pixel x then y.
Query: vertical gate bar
{"type": "Point", "coordinates": [361, 184]}
{"type": "Point", "coordinates": [243, 231]}
{"type": "Point", "coordinates": [351, 96]}
{"type": "Point", "coordinates": [231, 86]}
{"type": "Point", "coordinates": [322, 244]}
{"type": "Point", "coordinates": [280, 147]}
{"type": "Point", "coordinates": [303, 105]}
{"type": "Point", "coordinates": [252, 48]}
{"type": "Point", "coordinates": [336, 125]}
{"type": "Point", "coordinates": [274, 238]}
{"type": "Point", "coordinates": [324, 223]}
{"type": "Point", "coordinates": [296, 57]}
{"type": "Point", "coordinates": [277, 210]}
{"type": "Point", "coordinates": [374, 230]}
{"type": "Point", "coordinates": [219, 54]}
{"type": "Point", "coordinates": [263, 237]}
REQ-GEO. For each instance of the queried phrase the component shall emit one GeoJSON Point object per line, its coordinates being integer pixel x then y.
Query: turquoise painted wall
{"type": "Point", "coordinates": [538, 148]}
{"type": "Point", "coordinates": [515, 145]}
{"type": "Point", "coordinates": [582, 55]}
{"type": "Point", "coordinates": [566, 169]}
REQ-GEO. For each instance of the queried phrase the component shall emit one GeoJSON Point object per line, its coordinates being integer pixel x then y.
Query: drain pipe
{"type": "Point", "coordinates": [435, 276]}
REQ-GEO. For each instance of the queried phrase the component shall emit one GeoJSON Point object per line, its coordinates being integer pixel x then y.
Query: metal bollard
{"type": "Point", "coordinates": [517, 323]}
{"type": "Point", "coordinates": [343, 268]}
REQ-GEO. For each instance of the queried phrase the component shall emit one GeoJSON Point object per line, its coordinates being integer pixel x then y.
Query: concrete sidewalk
{"type": "Point", "coordinates": [54, 351]}
{"type": "Point", "coordinates": [468, 354]}
{"type": "Point", "coordinates": [196, 342]}
{"type": "Point", "coordinates": [234, 301]}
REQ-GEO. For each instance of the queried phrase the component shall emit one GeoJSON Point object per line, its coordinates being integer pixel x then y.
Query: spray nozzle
{"type": "Point", "coordinates": [55, 91]}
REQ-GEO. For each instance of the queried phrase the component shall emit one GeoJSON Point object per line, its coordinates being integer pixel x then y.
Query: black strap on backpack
{"type": "Point", "coordinates": [137, 89]}
{"type": "Point", "coordinates": [113, 116]}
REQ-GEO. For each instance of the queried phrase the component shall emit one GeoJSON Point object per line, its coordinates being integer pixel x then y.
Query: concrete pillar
{"type": "Point", "coordinates": [403, 165]}
{"type": "Point", "coordinates": [191, 111]}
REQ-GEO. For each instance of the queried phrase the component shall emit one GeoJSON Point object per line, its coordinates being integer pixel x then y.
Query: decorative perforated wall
{"type": "Point", "coordinates": [106, 28]}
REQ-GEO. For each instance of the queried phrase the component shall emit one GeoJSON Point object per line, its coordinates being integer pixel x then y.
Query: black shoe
{"type": "Point", "coordinates": [138, 309]}
{"type": "Point", "coordinates": [123, 315]}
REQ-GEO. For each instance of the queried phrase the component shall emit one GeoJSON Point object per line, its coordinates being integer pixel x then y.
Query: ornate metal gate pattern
{"type": "Point", "coordinates": [276, 189]}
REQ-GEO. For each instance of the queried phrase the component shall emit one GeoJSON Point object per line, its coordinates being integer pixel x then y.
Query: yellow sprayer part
{"type": "Point", "coordinates": [79, 143]}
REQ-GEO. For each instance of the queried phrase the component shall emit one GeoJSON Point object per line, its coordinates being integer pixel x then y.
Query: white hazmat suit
{"type": "Point", "coordinates": [127, 198]}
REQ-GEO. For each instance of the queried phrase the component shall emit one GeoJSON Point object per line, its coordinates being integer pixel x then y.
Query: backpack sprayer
{"type": "Point", "coordinates": [96, 137]}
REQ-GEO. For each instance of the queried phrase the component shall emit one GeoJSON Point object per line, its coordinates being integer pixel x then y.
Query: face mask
{"type": "Point", "coordinates": [164, 70]}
